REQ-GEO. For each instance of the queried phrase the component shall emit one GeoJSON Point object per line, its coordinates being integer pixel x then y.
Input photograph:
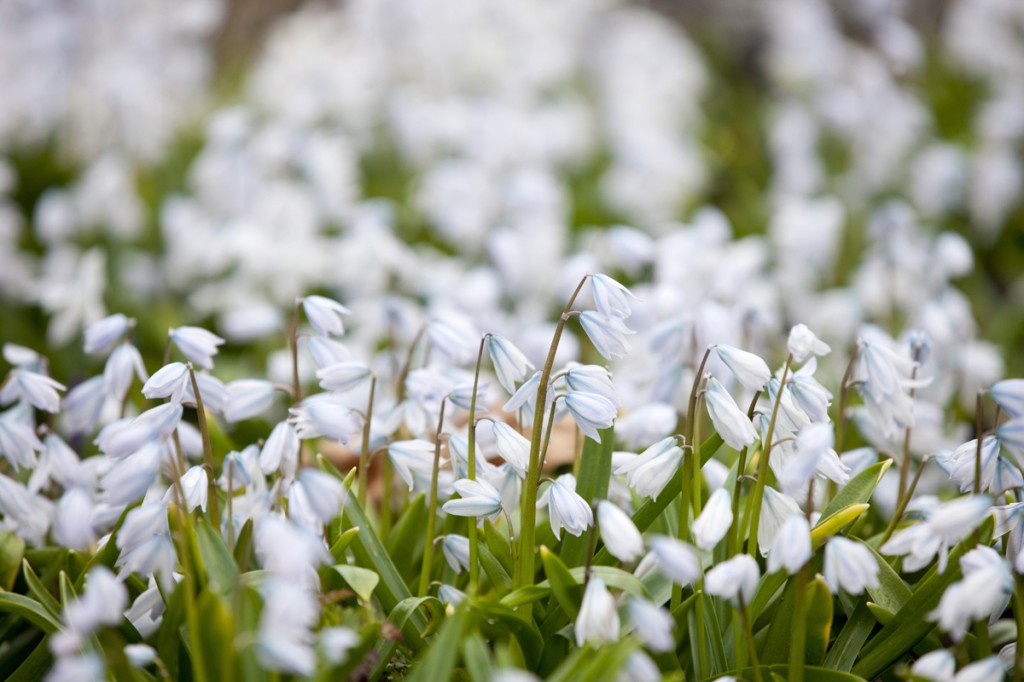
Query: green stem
{"type": "Point", "coordinates": [387, 470]}
{"type": "Point", "coordinates": [698, 478]}
{"type": "Point", "coordinates": [364, 455]}
{"type": "Point", "coordinates": [979, 415]}
{"type": "Point", "coordinates": [204, 430]}
{"type": "Point", "coordinates": [428, 550]}
{"type": "Point", "coordinates": [735, 539]}
{"type": "Point", "coordinates": [905, 463]}
{"type": "Point", "coordinates": [474, 570]}
{"type": "Point", "coordinates": [1018, 616]}
{"type": "Point", "coordinates": [745, 617]}
{"type": "Point", "coordinates": [528, 507]}
{"type": "Point", "coordinates": [293, 346]}
{"type": "Point", "coordinates": [763, 468]}
{"type": "Point", "coordinates": [798, 643]}
{"type": "Point", "coordinates": [901, 506]}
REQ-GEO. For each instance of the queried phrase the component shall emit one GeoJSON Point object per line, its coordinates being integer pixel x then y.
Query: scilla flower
{"type": "Point", "coordinates": [714, 521]}
{"type": "Point", "coordinates": [281, 450]}
{"type": "Point", "coordinates": [325, 415]}
{"type": "Point", "coordinates": [653, 624]}
{"type": "Point", "coordinates": [730, 422]}
{"type": "Point", "coordinates": [1009, 395]}
{"type": "Point", "coordinates": [591, 412]}
{"type": "Point", "coordinates": [591, 379]}
{"type": "Point", "coordinates": [566, 509]}
{"type": "Point", "coordinates": [677, 560]}
{"type": "Point", "coordinates": [849, 565]}
{"type": "Point", "coordinates": [343, 376]}
{"type": "Point", "coordinates": [984, 592]}
{"type": "Point", "coordinates": [476, 498]}
{"type": "Point", "coordinates": [620, 535]}
{"type": "Point", "coordinates": [102, 334]}
{"type": "Point", "coordinates": [792, 546]}
{"type": "Point", "coordinates": [512, 446]}
{"type": "Point", "coordinates": [803, 343]}
{"type": "Point", "coordinates": [456, 552]}
{"type": "Point", "coordinates": [196, 344]}
{"type": "Point", "coordinates": [510, 365]}
{"type": "Point", "coordinates": [938, 666]}
{"type": "Point", "coordinates": [598, 620]}
{"type": "Point", "coordinates": [649, 472]}
{"type": "Point", "coordinates": [170, 381]}
{"type": "Point", "coordinates": [411, 456]}
{"type": "Point", "coordinates": [750, 370]}
{"type": "Point", "coordinates": [248, 398]}
{"type": "Point", "coordinates": [325, 314]}
{"type": "Point", "coordinates": [735, 579]}
{"type": "Point", "coordinates": [124, 363]}
{"type": "Point", "coordinates": [944, 526]}
{"type": "Point", "coordinates": [608, 334]}
{"type": "Point", "coordinates": [776, 507]}
{"type": "Point", "coordinates": [610, 297]}
{"type": "Point", "coordinates": [38, 390]}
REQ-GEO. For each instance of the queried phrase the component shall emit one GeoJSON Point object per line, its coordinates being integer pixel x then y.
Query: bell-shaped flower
{"type": "Point", "coordinates": [83, 406]}
{"type": "Point", "coordinates": [566, 509]}
{"type": "Point", "coordinates": [462, 394]}
{"type": "Point", "coordinates": [248, 398]}
{"type": "Point", "coordinates": [18, 442]}
{"type": "Point", "coordinates": [510, 365]}
{"type": "Point", "coordinates": [513, 447]}
{"type": "Point", "coordinates": [611, 298]}
{"type": "Point", "coordinates": [316, 497]}
{"type": "Point", "coordinates": [646, 424]}
{"type": "Point", "coordinates": [776, 507]}
{"type": "Point", "coordinates": [196, 344]}
{"type": "Point", "coordinates": [102, 334]}
{"type": "Point", "coordinates": [985, 670]}
{"type": "Point", "coordinates": [476, 498]}
{"type": "Point", "coordinates": [102, 603]}
{"type": "Point", "coordinates": [943, 527]}
{"type": "Point", "coordinates": [455, 337]}
{"type": "Point", "coordinates": [285, 641]}
{"type": "Point", "coordinates": [714, 521]}
{"type": "Point", "coordinates": [750, 370]}
{"type": "Point", "coordinates": [997, 474]}
{"type": "Point", "coordinates": [983, 593]}
{"type": "Point", "coordinates": [39, 390]}
{"type": "Point", "coordinates": [813, 454]}
{"type": "Point", "coordinates": [809, 395]}
{"type": "Point", "coordinates": [591, 412]}
{"type": "Point", "coordinates": [1009, 395]}
{"type": "Point", "coordinates": [735, 579]}
{"type": "Point", "coordinates": [936, 666]}
{"type": "Point", "coordinates": [195, 486]}
{"type": "Point", "coordinates": [170, 381]}
{"type": "Point", "coordinates": [525, 396]}
{"type": "Point", "coordinates": [411, 456]}
{"type": "Point", "coordinates": [327, 351]}
{"type": "Point", "coordinates": [450, 595]}
{"type": "Point", "coordinates": [591, 379]}
{"type": "Point", "coordinates": [122, 438]}
{"type": "Point", "coordinates": [792, 546]}
{"type": "Point", "coordinates": [649, 472]}
{"type": "Point", "coordinates": [325, 314]}
{"type": "Point", "coordinates": [145, 544]}
{"type": "Point", "coordinates": [1011, 434]}
{"type": "Point", "coordinates": [456, 552]}
{"type": "Point", "coordinates": [124, 363]}
{"type": "Point", "coordinates": [72, 523]}
{"type": "Point", "coordinates": [732, 424]}
{"type": "Point", "coordinates": [849, 565]}
{"type": "Point", "coordinates": [676, 559]}
{"type": "Point", "coordinates": [343, 376]}
{"type": "Point", "coordinates": [608, 334]}
{"type": "Point", "coordinates": [234, 472]}
{"type": "Point", "coordinates": [653, 624]}
{"type": "Point", "coordinates": [802, 343]}
{"type": "Point", "coordinates": [128, 479]}
{"type": "Point", "coordinates": [324, 416]}
{"type": "Point", "coordinates": [619, 533]}
{"type": "Point", "coordinates": [598, 620]}
{"type": "Point", "coordinates": [281, 450]}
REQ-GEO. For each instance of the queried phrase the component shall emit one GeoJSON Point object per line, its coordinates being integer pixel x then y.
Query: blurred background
{"type": "Point", "coordinates": [744, 165]}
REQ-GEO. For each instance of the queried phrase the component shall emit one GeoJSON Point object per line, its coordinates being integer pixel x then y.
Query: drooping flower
{"type": "Point", "coordinates": [591, 412]}
{"type": "Point", "coordinates": [196, 344]}
{"type": "Point", "coordinates": [170, 381]}
{"type": "Point", "coordinates": [566, 509]}
{"type": "Point", "coordinates": [676, 559]}
{"type": "Point", "coordinates": [653, 624]}
{"type": "Point", "coordinates": [591, 379]}
{"type": "Point", "coordinates": [937, 666]}
{"type": "Point", "coordinates": [1009, 395]}
{"type": "Point", "coordinates": [411, 456]}
{"type": "Point", "coordinates": [124, 363]}
{"type": "Point", "coordinates": [735, 579]}
{"type": "Point", "coordinates": [342, 377]}
{"type": "Point", "coordinates": [325, 314]}
{"type": "Point", "coordinates": [649, 472]}
{"type": "Point", "coordinates": [512, 446]}
{"type": "Point", "coordinates": [714, 521]}
{"type": "Point", "coordinates": [792, 546]}
{"type": "Point", "coordinates": [749, 369]}
{"type": "Point", "coordinates": [984, 592]}
{"type": "Point", "coordinates": [776, 507]}
{"type": "Point", "coordinates": [849, 565]}
{"type": "Point", "coordinates": [38, 389]}
{"type": "Point", "coordinates": [102, 334]}
{"type": "Point", "coordinates": [476, 498]}
{"type": "Point", "coordinates": [802, 343]}
{"type": "Point", "coordinates": [611, 298]}
{"type": "Point", "coordinates": [943, 527]}
{"type": "Point", "coordinates": [248, 398]}
{"type": "Point", "coordinates": [324, 415]}
{"type": "Point", "coordinates": [731, 423]}
{"type": "Point", "coordinates": [281, 450]}
{"type": "Point", "coordinates": [619, 533]}
{"type": "Point", "coordinates": [608, 334]}
{"type": "Point", "coordinates": [456, 551]}
{"type": "Point", "coordinates": [598, 620]}
{"type": "Point", "coordinates": [510, 365]}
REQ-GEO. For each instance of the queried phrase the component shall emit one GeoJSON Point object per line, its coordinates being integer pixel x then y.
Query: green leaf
{"type": "Point", "coordinates": [567, 590]}
{"type": "Point", "coordinates": [910, 624]}
{"type": "Point", "coordinates": [499, 545]}
{"type": "Point", "coordinates": [477, 658]}
{"type": "Point", "coordinates": [595, 665]}
{"type": "Point", "coordinates": [828, 527]}
{"type": "Point", "coordinates": [361, 580]}
{"type": "Point", "coordinates": [592, 479]}
{"type": "Point", "coordinates": [39, 591]}
{"type": "Point", "coordinates": [812, 673]}
{"type": "Point", "coordinates": [819, 620]}
{"type": "Point", "coordinates": [243, 552]}
{"type": "Point", "coordinates": [217, 633]}
{"type": "Point", "coordinates": [12, 550]}
{"type": "Point", "coordinates": [439, 659]}
{"type": "Point", "coordinates": [498, 620]}
{"type": "Point", "coordinates": [168, 638]}
{"type": "Point", "coordinates": [406, 541]}
{"type": "Point", "coordinates": [851, 639]}
{"type": "Point", "coordinates": [401, 618]}
{"type": "Point", "coordinates": [30, 610]}
{"type": "Point", "coordinates": [221, 570]}
{"type": "Point", "coordinates": [496, 573]}
{"type": "Point", "coordinates": [342, 543]}
{"type": "Point", "coordinates": [857, 490]}
{"type": "Point", "coordinates": [67, 590]}
{"type": "Point", "coordinates": [35, 665]}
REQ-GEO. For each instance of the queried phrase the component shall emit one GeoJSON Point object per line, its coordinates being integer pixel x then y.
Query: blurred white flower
{"type": "Point", "coordinates": [676, 559]}
{"type": "Point", "coordinates": [598, 620]}
{"type": "Point", "coordinates": [510, 365]}
{"type": "Point", "coordinates": [749, 369]}
{"type": "Point", "coordinates": [196, 344]}
{"type": "Point", "coordinates": [714, 521]}
{"type": "Point", "coordinates": [653, 624]}
{"type": "Point", "coordinates": [730, 422]}
{"type": "Point", "coordinates": [802, 343]}
{"type": "Point", "coordinates": [619, 533]}
{"type": "Point", "coordinates": [325, 315]}
{"type": "Point", "coordinates": [849, 565]}
{"type": "Point", "coordinates": [735, 579]}
{"type": "Point", "coordinates": [608, 334]}
{"type": "Point", "coordinates": [791, 548]}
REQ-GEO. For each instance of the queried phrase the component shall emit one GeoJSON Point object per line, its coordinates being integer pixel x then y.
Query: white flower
{"type": "Point", "coordinates": [75, 667]}
{"type": "Point", "coordinates": [849, 565]}
{"type": "Point", "coordinates": [102, 603]}
{"type": "Point", "coordinates": [139, 655]}
{"type": "Point", "coordinates": [735, 579]}
{"type": "Point", "coordinates": [38, 389]}
{"type": "Point", "coordinates": [343, 376]}
{"type": "Point", "coordinates": [99, 335]}
{"type": "Point", "coordinates": [462, 394]}
{"type": "Point", "coordinates": [944, 526]}
{"type": "Point", "coordinates": [591, 412]}
{"type": "Point", "coordinates": [196, 344]}
{"type": "Point", "coordinates": [510, 365]}
{"type": "Point", "coordinates": [145, 543]}
{"type": "Point", "coordinates": [281, 450]}
{"type": "Point", "coordinates": [714, 521]}
{"type": "Point", "coordinates": [248, 398]}
{"type": "Point", "coordinates": [512, 446]}
{"type": "Point", "coordinates": [750, 370]}
{"type": "Point", "coordinates": [566, 509]}
{"type": "Point", "coordinates": [128, 478]}
{"type": "Point", "coordinates": [327, 351]}
{"type": "Point", "coordinates": [653, 624]}
{"type": "Point", "coordinates": [649, 472]}
{"type": "Point", "coordinates": [985, 670]}
{"type": "Point", "coordinates": [124, 437]}
{"type": "Point", "coordinates": [677, 560]}
{"type": "Point", "coordinates": [315, 497]}
{"type": "Point", "coordinates": [598, 620]}
{"type": "Point", "coordinates": [451, 595]}
{"type": "Point", "coordinates": [936, 666]}
{"type": "Point", "coordinates": [477, 498]}
{"type": "Point", "coordinates": [122, 364]}
{"type": "Point", "coordinates": [591, 379]}
{"type": "Point", "coordinates": [18, 442]}
{"type": "Point", "coordinates": [411, 456]}
{"type": "Point", "coordinates": [325, 314]}
{"type": "Point", "coordinates": [1009, 395]}
{"type": "Point", "coordinates": [83, 406]}
{"type": "Point", "coordinates": [620, 535]}
{"type": "Point", "coordinates": [792, 546]}
{"type": "Point", "coordinates": [608, 334]}
{"type": "Point", "coordinates": [984, 592]}
{"type": "Point", "coordinates": [170, 381]}
{"type": "Point", "coordinates": [72, 523]}
{"type": "Point", "coordinates": [776, 507]}
{"type": "Point", "coordinates": [286, 640]}
{"type": "Point", "coordinates": [731, 423]}
{"type": "Point", "coordinates": [813, 454]}
{"type": "Point", "coordinates": [526, 395]}
{"type": "Point", "coordinates": [639, 668]}
{"type": "Point", "coordinates": [456, 552]}
{"type": "Point", "coordinates": [610, 297]}
{"type": "Point", "coordinates": [455, 337]}
{"type": "Point", "coordinates": [803, 343]}
{"type": "Point", "coordinates": [322, 415]}
{"type": "Point", "coordinates": [335, 642]}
